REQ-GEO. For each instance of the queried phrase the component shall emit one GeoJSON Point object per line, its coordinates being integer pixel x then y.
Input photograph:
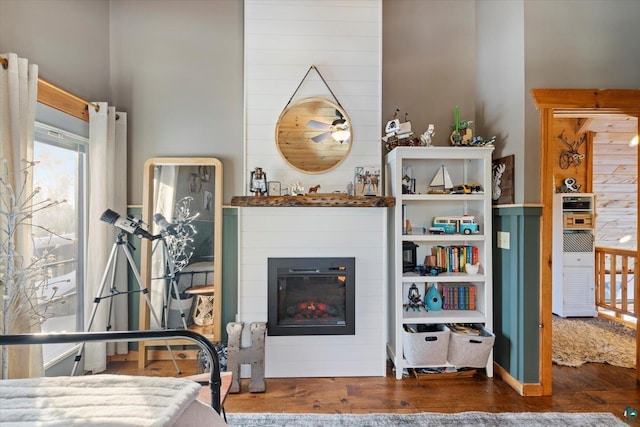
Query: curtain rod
{"type": "Point", "coordinates": [55, 97]}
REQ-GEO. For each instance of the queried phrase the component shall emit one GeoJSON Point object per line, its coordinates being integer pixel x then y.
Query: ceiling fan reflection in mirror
{"type": "Point", "coordinates": [338, 129]}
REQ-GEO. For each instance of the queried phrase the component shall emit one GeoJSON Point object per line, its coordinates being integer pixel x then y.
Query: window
{"type": "Point", "coordinates": [61, 174]}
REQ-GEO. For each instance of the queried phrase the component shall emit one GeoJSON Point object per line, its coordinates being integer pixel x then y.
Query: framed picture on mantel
{"type": "Point", "coordinates": [502, 181]}
{"type": "Point", "coordinates": [367, 181]}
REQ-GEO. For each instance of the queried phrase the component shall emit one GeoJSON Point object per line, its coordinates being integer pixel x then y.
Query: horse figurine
{"type": "Point", "coordinates": [427, 137]}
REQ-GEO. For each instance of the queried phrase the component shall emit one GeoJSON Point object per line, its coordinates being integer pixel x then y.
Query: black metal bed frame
{"type": "Point", "coordinates": [130, 336]}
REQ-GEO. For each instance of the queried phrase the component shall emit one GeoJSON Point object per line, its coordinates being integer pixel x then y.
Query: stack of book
{"type": "Point", "coordinates": [458, 296]}
{"type": "Point", "coordinates": [454, 258]}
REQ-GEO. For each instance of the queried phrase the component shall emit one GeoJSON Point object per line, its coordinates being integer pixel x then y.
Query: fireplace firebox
{"type": "Point", "coordinates": [311, 296]}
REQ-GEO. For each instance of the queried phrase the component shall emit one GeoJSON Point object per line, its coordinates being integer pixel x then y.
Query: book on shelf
{"type": "Point", "coordinates": [404, 218]}
{"type": "Point", "coordinates": [455, 257]}
{"type": "Point", "coordinates": [458, 296]}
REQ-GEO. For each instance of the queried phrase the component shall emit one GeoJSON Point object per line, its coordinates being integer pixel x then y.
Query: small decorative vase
{"type": "Point", "coordinates": [433, 299]}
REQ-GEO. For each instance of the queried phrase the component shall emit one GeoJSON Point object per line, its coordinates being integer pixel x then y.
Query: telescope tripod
{"type": "Point", "coordinates": [171, 276]}
{"type": "Point", "coordinates": [110, 269]}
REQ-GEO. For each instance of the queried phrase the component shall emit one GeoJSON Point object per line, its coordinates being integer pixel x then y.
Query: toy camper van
{"type": "Point", "coordinates": [465, 224]}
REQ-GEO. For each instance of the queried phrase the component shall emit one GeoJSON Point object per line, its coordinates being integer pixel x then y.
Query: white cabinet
{"type": "Point", "coordinates": [469, 166]}
{"type": "Point", "coordinates": [573, 255]}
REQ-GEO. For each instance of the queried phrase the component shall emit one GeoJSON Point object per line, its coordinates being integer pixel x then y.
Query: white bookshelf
{"type": "Point", "coordinates": [465, 165]}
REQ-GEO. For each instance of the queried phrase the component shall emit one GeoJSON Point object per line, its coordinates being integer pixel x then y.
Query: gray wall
{"type": "Point", "coordinates": [68, 39]}
{"type": "Point", "coordinates": [500, 93]}
{"type": "Point", "coordinates": [428, 63]}
{"type": "Point", "coordinates": [177, 69]}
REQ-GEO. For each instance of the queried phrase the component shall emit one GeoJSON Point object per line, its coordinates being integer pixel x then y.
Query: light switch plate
{"type": "Point", "coordinates": [503, 239]}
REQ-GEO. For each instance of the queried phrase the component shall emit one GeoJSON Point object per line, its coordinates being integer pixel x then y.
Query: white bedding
{"type": "Point", "coordinates": [104, 400]}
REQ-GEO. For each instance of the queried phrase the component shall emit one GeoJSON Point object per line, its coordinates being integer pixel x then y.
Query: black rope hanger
{"type": "Point", "coordinates": [313, 67]}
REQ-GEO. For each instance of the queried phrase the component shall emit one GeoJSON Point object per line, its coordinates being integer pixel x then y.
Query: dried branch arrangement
{"type": "Point", "coordinates": [179, 241]}
{"type": "Point", "coordinates": [26, 288]}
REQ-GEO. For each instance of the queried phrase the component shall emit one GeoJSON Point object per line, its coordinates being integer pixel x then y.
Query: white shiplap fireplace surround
{"type": "Point", "coordinates": [283, 232]}
{"type": "Point", "coordinates": [283, 38]}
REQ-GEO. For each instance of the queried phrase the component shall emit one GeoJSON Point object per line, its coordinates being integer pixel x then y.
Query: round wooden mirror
{"type": "Point", "coordinates": [314, 135]}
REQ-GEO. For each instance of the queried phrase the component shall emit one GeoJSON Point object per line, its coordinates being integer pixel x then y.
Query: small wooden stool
{"type": "Point", "coordinates": [203, 312]}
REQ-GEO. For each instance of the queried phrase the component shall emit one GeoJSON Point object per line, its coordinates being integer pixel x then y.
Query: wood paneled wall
{"type": "Point", "coordinates": [615, 183]}
{"type": "Point", "coordinates": [571, 132]}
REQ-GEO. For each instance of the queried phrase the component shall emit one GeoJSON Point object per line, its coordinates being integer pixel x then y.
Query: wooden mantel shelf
{"type": "Point", "coordinates": [314, 200]}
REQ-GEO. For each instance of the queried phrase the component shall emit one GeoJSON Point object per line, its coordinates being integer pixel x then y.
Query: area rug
{"type": "Point", "coordinates": [461, 419]}
{"type": "Point", "coordinates": [596, 340]}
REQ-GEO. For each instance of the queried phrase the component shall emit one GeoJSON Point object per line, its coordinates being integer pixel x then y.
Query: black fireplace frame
{"type": "Point", "coordinates": [312, 266]}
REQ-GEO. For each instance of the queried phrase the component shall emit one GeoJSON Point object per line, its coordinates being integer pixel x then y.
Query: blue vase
{"type": "Point", "coordinates": [433, 299]}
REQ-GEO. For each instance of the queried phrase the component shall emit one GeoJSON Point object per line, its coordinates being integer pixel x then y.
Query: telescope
{"type": "Point", "coordinates": [128, 224]}
{"type": "Point", "coordinates": [165, 226]}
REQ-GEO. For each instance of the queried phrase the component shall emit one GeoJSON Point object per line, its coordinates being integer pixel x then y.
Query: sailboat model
{"type": "Point", "coordinates": [441, 182]}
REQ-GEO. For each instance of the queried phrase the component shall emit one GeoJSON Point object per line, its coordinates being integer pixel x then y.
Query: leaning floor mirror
{"type": "Point", "coordinates": [181, 266]}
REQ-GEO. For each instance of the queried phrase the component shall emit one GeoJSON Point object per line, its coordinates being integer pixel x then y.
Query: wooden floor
{"type": "Point", "coordinates": [593, 387]}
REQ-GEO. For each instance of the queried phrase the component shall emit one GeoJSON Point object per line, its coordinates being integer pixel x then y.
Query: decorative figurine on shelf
{"type": "Point", "coordinates": [433, 300]}
{"type": "Point", "coordinates": [431, 270]}
{"type": "Point", "coordinates": [441, 182]}
{"type": "Point", "coordinates": [351, 191]}
{"type": "Point", "coordinates": [296, 189]}
{"type": "Point", "coordinates": [408, 185]}
{"type": "Point", "coordinates": [462, 135]}
{"type": "Point", "coordinates": [570, 186]}
{"type": "Point", "coordinates": [258, 182]}
{"type": "Point", "coordinates": [427, 137]}
{"type": "Point", "coordinates": [398, 133]}
{"type": "Point", "coordinates": [314, 189]}
{"type": "Point", "coordinates": [415, 299]}
{"type": "Point", "coordinates": [479, 141]}
{"type": "Point", "coordinates": [471, 268]}
{"type": "Point", "coordinates": [408, 181]}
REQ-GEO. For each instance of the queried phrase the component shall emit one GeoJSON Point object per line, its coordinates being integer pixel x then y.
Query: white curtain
{"type": "Point", "coordinates": [107, 190]}
{"type": "Point", "coordinates": [18, 98]}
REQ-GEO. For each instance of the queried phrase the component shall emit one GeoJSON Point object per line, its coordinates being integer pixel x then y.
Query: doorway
{"type": "Point", "coordinates": [552, 102]}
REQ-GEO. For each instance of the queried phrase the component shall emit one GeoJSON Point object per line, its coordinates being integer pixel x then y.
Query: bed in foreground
{"type": "Point", "coordinates": [110, 400]}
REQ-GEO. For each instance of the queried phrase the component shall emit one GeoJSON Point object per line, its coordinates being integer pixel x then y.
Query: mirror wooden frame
{"type": "Point", "coordinates": [294, 137]}
{"type": "Point", "coordinates": [212, 332]}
